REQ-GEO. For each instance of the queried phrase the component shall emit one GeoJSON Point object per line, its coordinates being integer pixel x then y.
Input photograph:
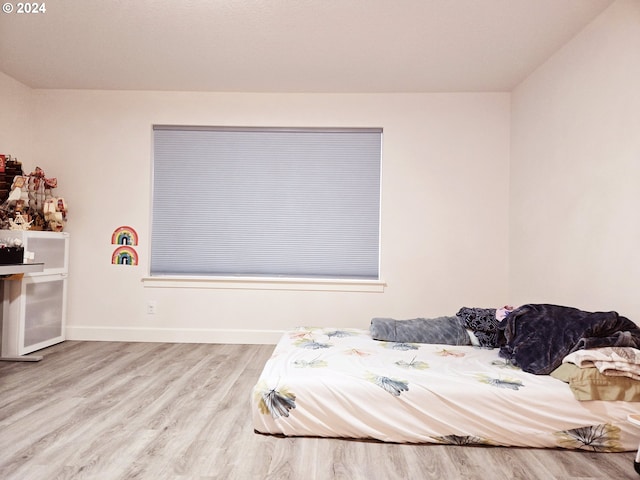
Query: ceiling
{"type": "Point", "coordinates": [288, 45]}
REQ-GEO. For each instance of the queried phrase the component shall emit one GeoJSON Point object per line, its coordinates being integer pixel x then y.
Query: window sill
{"type": "Point", "coordinates": [251, 283]}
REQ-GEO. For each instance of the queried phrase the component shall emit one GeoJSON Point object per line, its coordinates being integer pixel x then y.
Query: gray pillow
{"type": "Point", "coordinates": [442, 330]}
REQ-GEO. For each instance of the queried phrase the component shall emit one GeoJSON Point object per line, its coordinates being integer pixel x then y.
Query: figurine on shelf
{"type": "Point", "coordinates": [55, 211]}
{"type": "Point", "coordinates": [19, 222]}
{"type": "Point", "coordinates": [30, 204]}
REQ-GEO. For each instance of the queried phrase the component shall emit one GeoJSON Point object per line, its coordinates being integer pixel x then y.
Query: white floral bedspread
{"type": "Point", "coordinates": [341, 383]}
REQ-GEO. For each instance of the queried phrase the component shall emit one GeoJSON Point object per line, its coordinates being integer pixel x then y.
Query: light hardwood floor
{"type": "Point", "coordinates": [109, 410]}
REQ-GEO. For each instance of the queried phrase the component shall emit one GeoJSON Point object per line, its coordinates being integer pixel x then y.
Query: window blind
{"type": "Point", "coordinates": [277, 202]}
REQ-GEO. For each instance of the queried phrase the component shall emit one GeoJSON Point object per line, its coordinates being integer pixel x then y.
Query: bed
{"type": "Point", "coordinates": [329, 382]}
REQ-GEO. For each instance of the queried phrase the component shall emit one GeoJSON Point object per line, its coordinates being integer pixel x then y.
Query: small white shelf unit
{"type": "Point", "coordinates": [34, 307]}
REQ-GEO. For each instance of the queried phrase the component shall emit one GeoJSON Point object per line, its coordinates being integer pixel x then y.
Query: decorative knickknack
{"type": "Point", "coordinates": [29, 203]}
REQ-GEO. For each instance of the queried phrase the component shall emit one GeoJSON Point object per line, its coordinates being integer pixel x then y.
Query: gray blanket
{"type": "Point", "coordinates": [538, 336]}
{"type": "Point", "coordinates": [443, 330]}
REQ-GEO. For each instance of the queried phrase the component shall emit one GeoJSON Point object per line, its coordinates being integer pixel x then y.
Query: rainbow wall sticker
{"type": "Point", "coordinates": [124, 235]}
{"type": "Point", "coordinates": [124, 255]}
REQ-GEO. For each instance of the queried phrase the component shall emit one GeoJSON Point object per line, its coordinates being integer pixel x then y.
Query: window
{"type": "Point", "coordinates": [266, 202]}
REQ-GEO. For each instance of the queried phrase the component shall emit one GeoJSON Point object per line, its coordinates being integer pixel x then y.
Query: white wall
{"type": "Point", "coordinates": [465, 221]}
{"type": "Point", "coordinates": [444, 208]}
{"type": "Point", "coordinates": [575, 171]}
{"type": "Point", "coordinates": [16, 119]}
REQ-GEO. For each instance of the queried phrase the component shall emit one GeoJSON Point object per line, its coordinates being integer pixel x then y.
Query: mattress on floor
{"type": "Point", "coordinates": [329, 382]}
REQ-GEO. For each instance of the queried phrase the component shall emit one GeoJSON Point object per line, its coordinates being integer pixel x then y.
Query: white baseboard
{"type": "Point", "coordinates": [173, 335]}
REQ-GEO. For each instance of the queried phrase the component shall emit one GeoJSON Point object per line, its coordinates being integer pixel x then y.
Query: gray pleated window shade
{"type": "Point", "coordinates": [266, 202]}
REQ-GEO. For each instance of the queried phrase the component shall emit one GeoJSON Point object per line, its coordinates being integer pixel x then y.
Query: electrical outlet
{"type": "Point", "coordinates": [151, 307]}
